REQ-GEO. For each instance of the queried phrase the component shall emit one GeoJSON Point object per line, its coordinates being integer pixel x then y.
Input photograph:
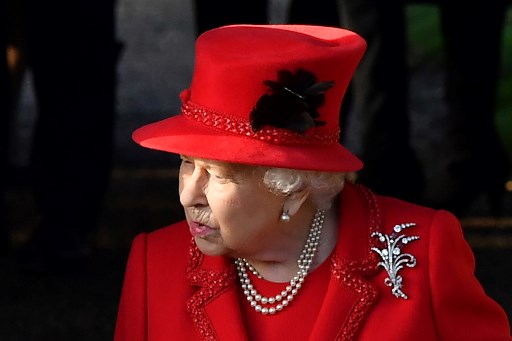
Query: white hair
{"type": "Point", "coordinates": [324, 186]}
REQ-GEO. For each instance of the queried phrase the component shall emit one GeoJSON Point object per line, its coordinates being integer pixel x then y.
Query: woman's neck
{"type": "Point", "coordinates": [282, 267]}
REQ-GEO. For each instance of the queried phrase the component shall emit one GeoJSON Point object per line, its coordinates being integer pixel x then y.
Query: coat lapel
{"type": "Point", "coordinates": [214, 307]}
{"type": "Point", "coordinates": [350, 294]}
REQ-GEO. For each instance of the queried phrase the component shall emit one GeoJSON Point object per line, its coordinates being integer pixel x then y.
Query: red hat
{"type": "Point", "coordinates": [266, 95]}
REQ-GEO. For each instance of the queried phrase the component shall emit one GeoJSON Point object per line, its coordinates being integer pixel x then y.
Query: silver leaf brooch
{"type": "Point", "coordinates": [393, 260]}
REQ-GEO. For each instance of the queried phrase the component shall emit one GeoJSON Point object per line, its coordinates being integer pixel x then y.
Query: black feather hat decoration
{"type": "Point", "coordinates": [291, 103]}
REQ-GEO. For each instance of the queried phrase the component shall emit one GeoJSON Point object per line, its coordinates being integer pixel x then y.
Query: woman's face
{"type": "Point", "coordinates": [228, 208]}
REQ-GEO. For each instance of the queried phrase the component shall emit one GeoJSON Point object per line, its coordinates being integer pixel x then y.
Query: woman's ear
{"type": "Point", "coordinates": [294, 201]}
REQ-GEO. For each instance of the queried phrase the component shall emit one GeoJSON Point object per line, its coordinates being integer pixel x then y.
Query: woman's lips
{"type": "Point", "coordinates": [200, 230]}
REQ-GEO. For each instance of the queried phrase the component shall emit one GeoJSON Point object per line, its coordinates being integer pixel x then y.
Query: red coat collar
{"type": "Point", "coordinates": [350, 295]}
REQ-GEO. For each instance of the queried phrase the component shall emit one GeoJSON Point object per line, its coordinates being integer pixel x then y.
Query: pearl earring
{"type": "Point", "coordinates": [285, 217]}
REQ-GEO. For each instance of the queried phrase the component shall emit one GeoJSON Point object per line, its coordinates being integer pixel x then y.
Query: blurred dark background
{"type": "Point", "coordinates": [154, 66]}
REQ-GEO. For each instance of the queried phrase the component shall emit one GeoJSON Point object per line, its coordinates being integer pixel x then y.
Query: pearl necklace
{"type": "Point", "coordinates": [271, 305]}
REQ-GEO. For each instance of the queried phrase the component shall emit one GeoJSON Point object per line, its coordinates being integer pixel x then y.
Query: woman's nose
{"type": "Point", "coordinates": [192, 188]}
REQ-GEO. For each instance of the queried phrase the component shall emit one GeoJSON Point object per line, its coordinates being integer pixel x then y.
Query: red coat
{"type": "Point", "coordinates": [173, 292]}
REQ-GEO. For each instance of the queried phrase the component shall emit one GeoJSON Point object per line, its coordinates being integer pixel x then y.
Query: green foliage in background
{"type": "Point", "coordinates": [504, 114]}
{"type": "Point", "coordinates": [426, 46]}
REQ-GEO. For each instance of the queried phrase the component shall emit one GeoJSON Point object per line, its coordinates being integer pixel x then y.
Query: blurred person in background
{"type": "Point", "coordinates": [72, 53]}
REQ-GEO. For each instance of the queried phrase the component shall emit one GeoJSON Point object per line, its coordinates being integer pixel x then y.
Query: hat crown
{"type": "Point", "coordinates": [233, 62]}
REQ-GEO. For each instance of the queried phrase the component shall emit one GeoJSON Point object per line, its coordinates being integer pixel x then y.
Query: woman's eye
{"type": "Point", "coordinates": [216, 175]}
{"type": "Point", "coordinates": [186, 161]}
{"type": "Point", "coordinates": [186, 166]}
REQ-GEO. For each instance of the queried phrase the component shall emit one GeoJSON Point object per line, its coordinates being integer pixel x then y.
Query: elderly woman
{"type": "Point", "coordinates": [276, 244]}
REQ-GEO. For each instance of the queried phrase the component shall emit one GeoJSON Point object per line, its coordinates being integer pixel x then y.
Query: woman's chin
{"type": "Point", "coordinates": [210, 246]}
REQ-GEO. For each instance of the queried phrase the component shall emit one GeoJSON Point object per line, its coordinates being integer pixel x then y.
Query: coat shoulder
{"type": "Point", "coordinates": [395, 211]}
{"type": "Point", "coordinates": [169, 245]}
{"type": "Point", "coordinates": [176, 232]}
{"type": "Point", "coordinates": [395, 207]}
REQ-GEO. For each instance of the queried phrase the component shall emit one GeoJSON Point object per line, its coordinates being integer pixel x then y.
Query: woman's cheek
{"type": "Point", "coordinates": [229, 205]}
{"type": "Point", "coordinates": [223, 195]}
{"type": "Point", "coordinates": [232, 203]}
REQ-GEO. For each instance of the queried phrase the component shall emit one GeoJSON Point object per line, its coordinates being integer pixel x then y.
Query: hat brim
{"type": "Point", "coordinates": [181, 135]}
